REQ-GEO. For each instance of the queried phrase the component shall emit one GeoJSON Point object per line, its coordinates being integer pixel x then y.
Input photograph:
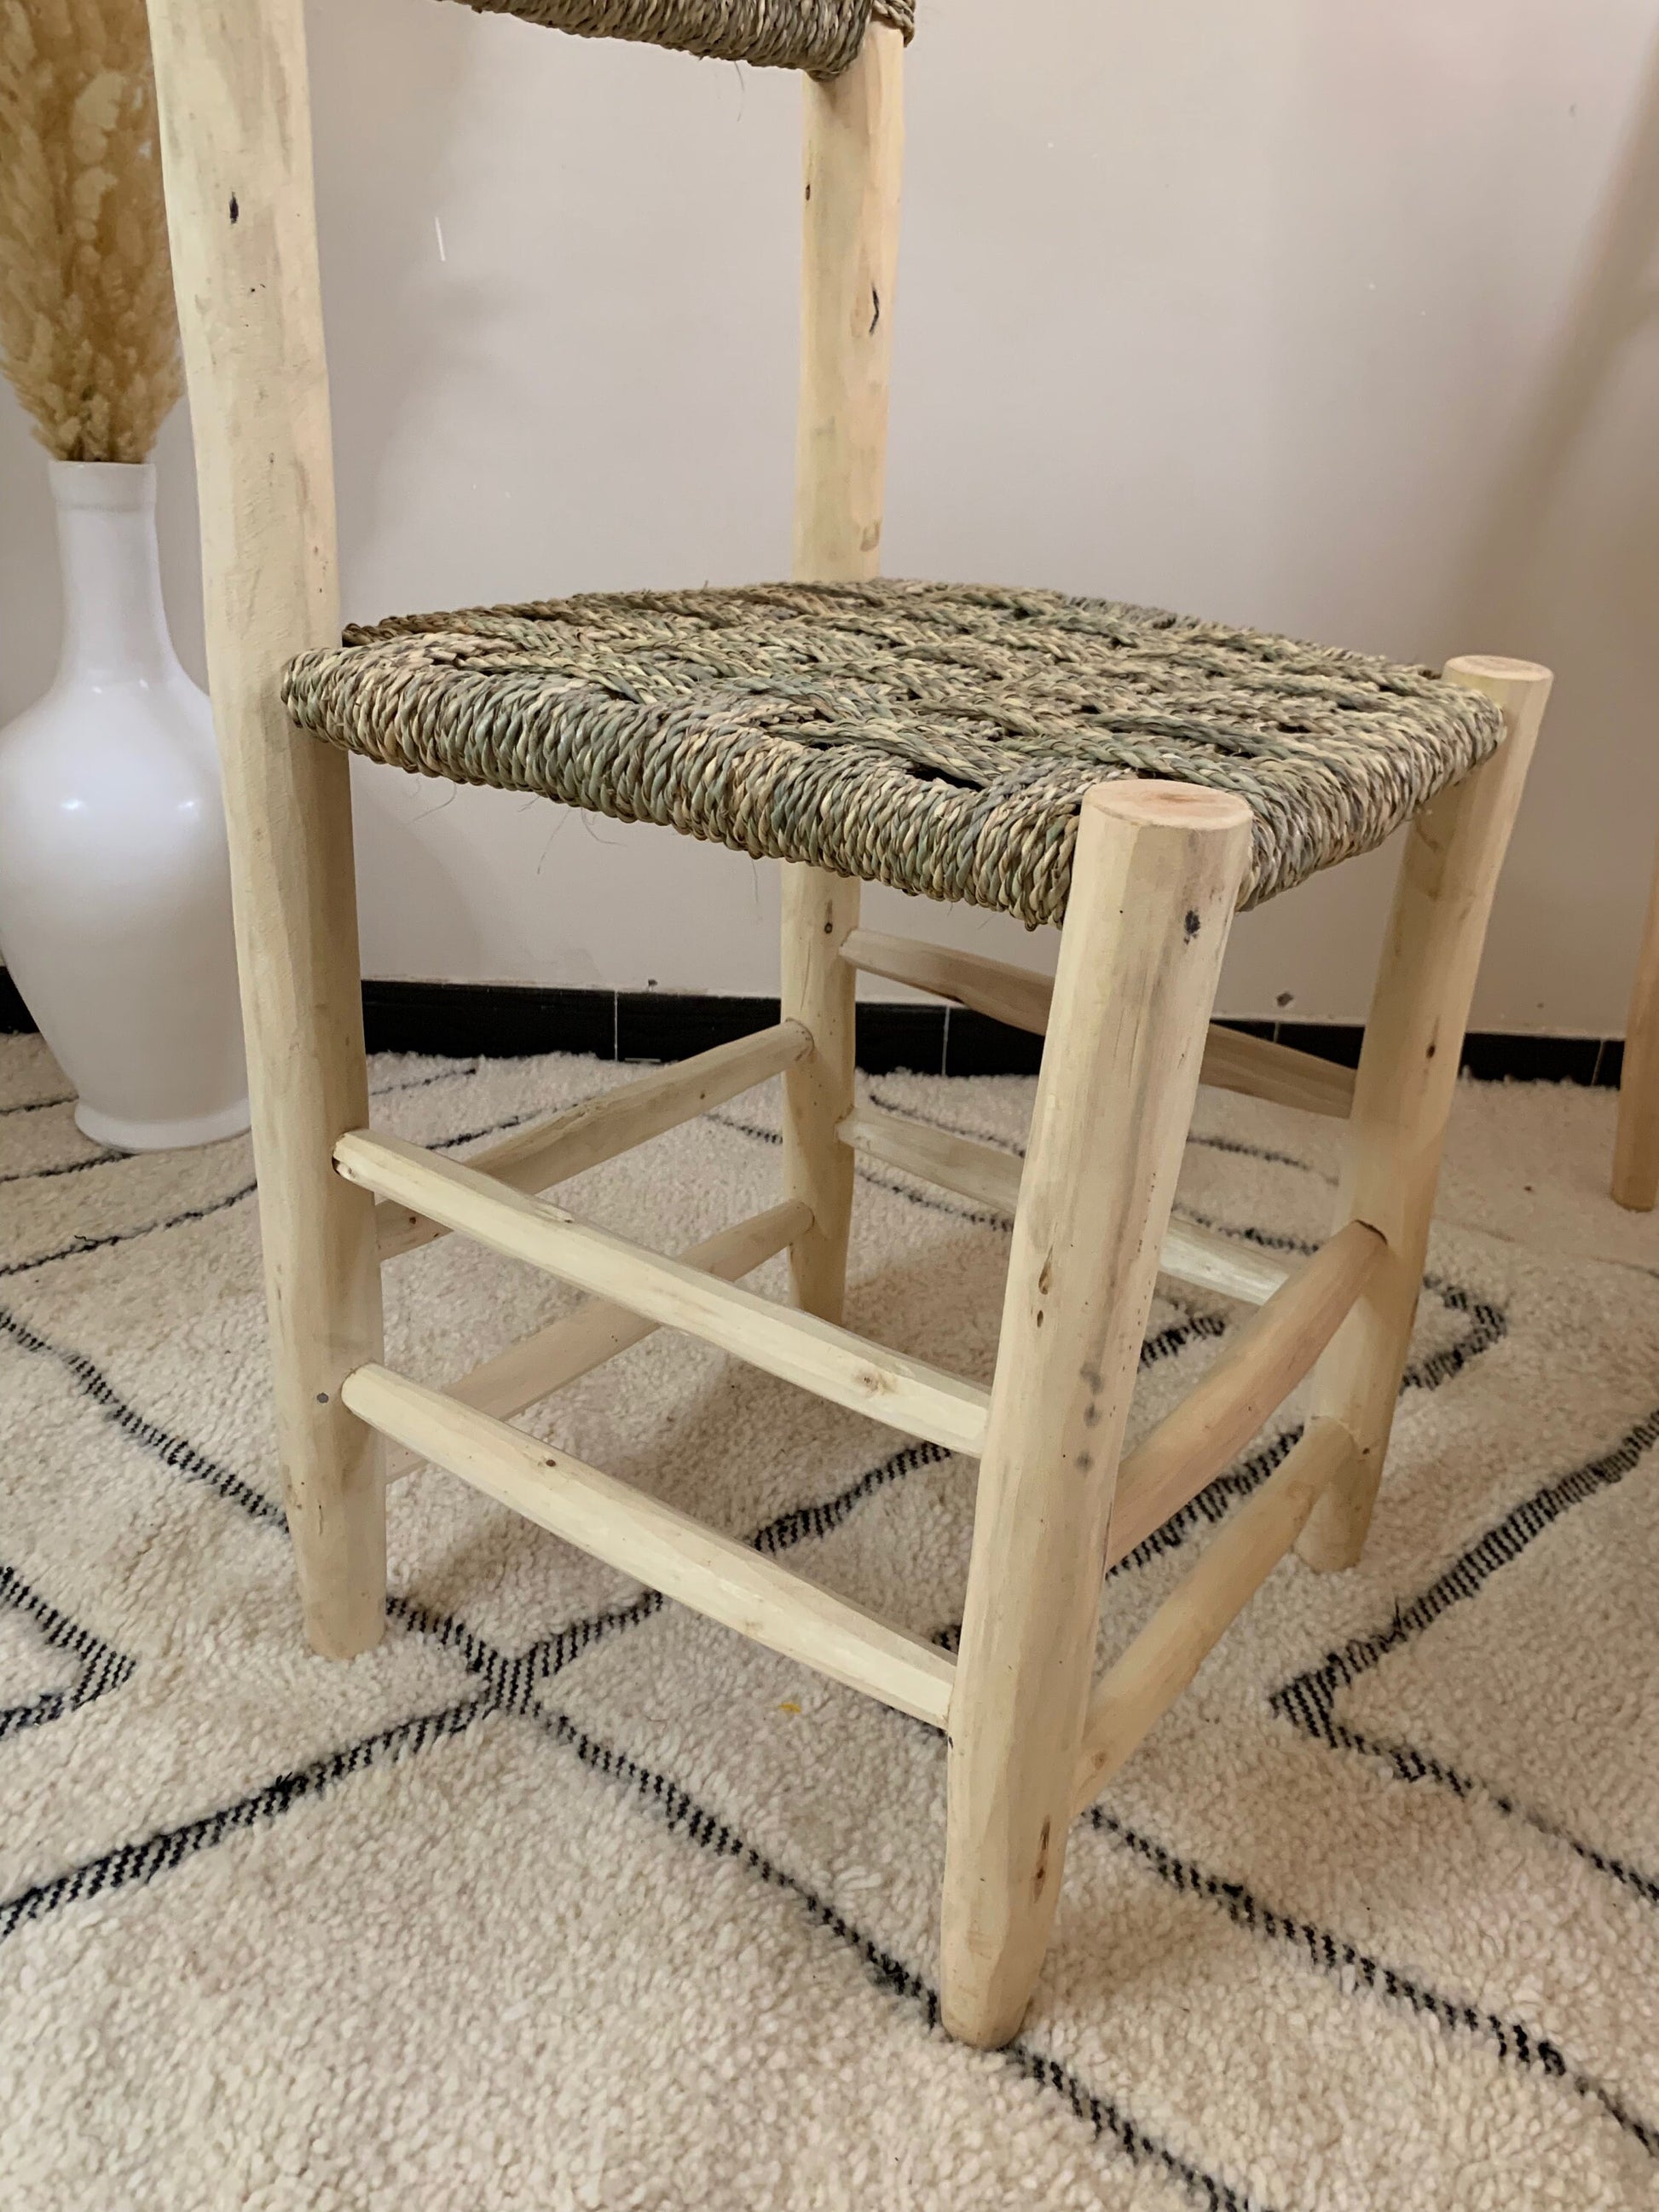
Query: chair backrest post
{"type": "Point", "coordinates": [234, 108]}
{"type": "Point", "coordinates": [855, 144]}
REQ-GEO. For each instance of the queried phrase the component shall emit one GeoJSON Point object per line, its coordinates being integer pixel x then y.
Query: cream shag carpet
{"type": "Point", "coordinates": [563, 1897]}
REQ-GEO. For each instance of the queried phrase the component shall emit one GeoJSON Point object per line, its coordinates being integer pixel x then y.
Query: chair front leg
{"type": "Point", "coordinates": [1403, 1095]}
{"type": "Point", "coordinates": [289, 807]}
{"type": "Point", "coordinates": [820, 911]}
{"type": "Point", "coordinates": [1156, 876]}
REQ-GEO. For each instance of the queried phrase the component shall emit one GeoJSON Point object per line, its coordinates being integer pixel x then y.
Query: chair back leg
{"type": "Point", "coordinates": [819, 911]}
{"type": "Point", "coordinates": [1403, 1095]}
{"type": "Point", "coordinates": [1156, 876]}
{"type": "Point", "coordinates": [1635, 1150]}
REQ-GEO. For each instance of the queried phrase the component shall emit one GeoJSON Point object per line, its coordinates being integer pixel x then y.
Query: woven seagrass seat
{"type": "Point", "coordinates": [937, 737]}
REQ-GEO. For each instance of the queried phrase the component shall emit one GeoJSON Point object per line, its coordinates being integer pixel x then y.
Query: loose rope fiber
{"type": "Point", "coordinates": [938, 737]}
{"type": "Point", "coordinates": [822, 36]}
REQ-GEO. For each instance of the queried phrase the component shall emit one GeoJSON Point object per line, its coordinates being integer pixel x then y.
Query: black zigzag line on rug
{"type": "Point", "coordinates": [1154, 1347]}
{"type": "Point", "coordinates": [954, 1128]}
{"type": "Point", "coordinates": [102, 1159]}
{"type": "Point", "coordinates": [682, 1815]}
{"type": "Point", "coordinates": [1309, 1699]}
{"type": "Point", "coordinates": [1514, 2042]}
{"type": "Point", "coordinates": [101, 1666]}
{"type": "Point", "coordinates": [37, 1105]}
{"type": "Point", "coordinates": [1491, 1325]}
{"type": "Point", "coordinates": [174, 1451]}
{"type": "Point", "coordinates": [78, 1246]}
{"type": "Point", "coordinates": [519, 1674]}
{"type": "Point", "coordinates": [510, 1683]}
{"type": "Point", "coordinates": [974, 1218]}
{"type": "Point", "coordinates": [167, 1848]}
{"type": "Point", "coordinates": [111, 1156]}
{"type": "Point", "coordinates": [141, 1863]}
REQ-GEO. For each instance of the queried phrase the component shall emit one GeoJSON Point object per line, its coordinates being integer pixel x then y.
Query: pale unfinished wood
{"type": "Point", "coordinates": [818, 910]}
{"type": "Point", "coordinates": [1260, 1067]}
{"type": "Point", "coordinates": [1141, 1686]}
{"type": "Point", "coordinates": [236, 151]}
{"type": "Point", "coordinates": [1156, 877]}
{"type": "Point", "coordinates": [904, 1393]}
{"type": "Point", "coordinates": [696, 1567]}
{"type": "Point", "coordinates": [1636, 1148]}
{"type": "Point", "coordinates": [535, 1367]}
{"type": "Point", "coordinates": [1246, 1383]}
{"type": "Point", "coordinates": [852, 166]}
{"type": "Point", "coordinates": [1018, 996]}
{"type": "Point", "coordinates": [601, 1129]}
{"type": "Point", "coordinates": [852, 157]}
{"type": "Point", "coordinates": [990, 1178]}
{"type": "Point", "coordinates": [1256, 1066]}
{"type": "Point", "coordinates": [1407, 1075]}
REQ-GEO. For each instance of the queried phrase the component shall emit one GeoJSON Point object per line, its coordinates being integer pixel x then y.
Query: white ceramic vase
{"type": "Point", "coordinates": [114, 877]}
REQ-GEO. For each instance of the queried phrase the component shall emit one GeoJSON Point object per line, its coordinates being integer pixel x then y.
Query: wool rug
{"type": "Point", "coordinates": [564, 1898]}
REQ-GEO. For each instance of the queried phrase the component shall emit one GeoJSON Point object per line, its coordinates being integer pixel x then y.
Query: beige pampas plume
{"type": "Point", "coordinates": [86, 326]}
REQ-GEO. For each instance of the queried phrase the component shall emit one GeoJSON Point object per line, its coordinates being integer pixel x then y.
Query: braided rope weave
{"type": "Point", "coordinates": [937, 737]}
{"type": "Point", "coordinates": [821, 36]}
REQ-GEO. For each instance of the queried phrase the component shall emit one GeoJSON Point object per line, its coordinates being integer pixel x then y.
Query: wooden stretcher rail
{"type": "Point", "coordinates": [1144, 1682]}
{"type": "Point", "coordinates": [904, 1393]}
{"type": "Point", "coordinates": [601, 1129]}
{"type": "Point", "coordinates": [532, 1369]}
{"type": "Point", "coordinates": [1262, 1364]}
{"type": "Point", "coordinates": [991, 1178]}
{"type": "Point", "coordinates": [1232, 1060]}
{"type": "Point", "coordinates": [698, 1567]}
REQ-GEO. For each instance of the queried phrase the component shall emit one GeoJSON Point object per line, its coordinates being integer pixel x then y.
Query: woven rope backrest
{"type": "Point", "coordinates": [820, 36]}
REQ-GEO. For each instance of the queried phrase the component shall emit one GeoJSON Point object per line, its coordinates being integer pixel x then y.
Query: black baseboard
{"type": "Point", "coordinates": [505, 1021]}
{"type": "Point", "coordinates": [509, 1021]}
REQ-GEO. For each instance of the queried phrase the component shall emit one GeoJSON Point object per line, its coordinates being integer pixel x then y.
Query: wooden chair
{"type": "Point", "coordinates": [1138, 775]}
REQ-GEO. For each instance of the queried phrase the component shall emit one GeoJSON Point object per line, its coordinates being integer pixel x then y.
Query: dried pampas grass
{"type": "Point", "coordinates": [87, 324]}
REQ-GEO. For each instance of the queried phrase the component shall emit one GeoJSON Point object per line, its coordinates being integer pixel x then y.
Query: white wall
{"type": "Point", "coordinates": [1336, 320]}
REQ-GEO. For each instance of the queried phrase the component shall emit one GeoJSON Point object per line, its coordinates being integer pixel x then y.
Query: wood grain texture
{"type": "Point", "coordinates": [1157, 875]}
{"type": "Point", "coordinates": [990, 1177]}
{"type": "Point", "coordinates": [1407, 1074]}
{"type": "Point", "coordinates": [853, 160]}
{"type": "Point", "coordinates": [1260, 1365]}
{"type": "Point", "coordinates": [1256, 1066]}
{"type": "Point", "coordinates": [1141, 1686]}
{"type": "Point", "coordinates": [890, 1387]}
{"type": "Point", "coordinates": [697, 1566]}
{"type": "Point", "coordinates": [532, 1369]}
{"type": "Point", "coordinates": [236, 154]}
{"type": "Point", "coordinates": [818, 909]}
{"type": "Point", "coordinates": [1636, 1147]}
{"type": "Point", "coordinates": [599, 1129]}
